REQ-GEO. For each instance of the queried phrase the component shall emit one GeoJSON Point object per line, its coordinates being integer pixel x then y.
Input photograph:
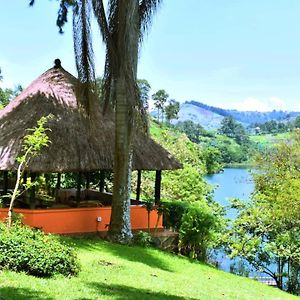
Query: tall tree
{"type": "Point", "coordinates": [144, 89]}
{"type": "Point", "coordinates": [160, 98]}
{"type": "Point", "coordinates": [267, 229]}
{"type": "Point", "coordinates": [7, 94]}
{"type": "Point", "coordinates": [172, 110]}
{"type": "Point", "coordinates": [297, 122]}
{"type": "Point", "coordinates": [122, 29]}
{"type": "Point", "coordinates": [235, 130]}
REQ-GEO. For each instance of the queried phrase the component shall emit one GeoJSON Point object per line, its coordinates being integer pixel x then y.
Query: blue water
{"type": "Point", "coordinates": [232, 183]}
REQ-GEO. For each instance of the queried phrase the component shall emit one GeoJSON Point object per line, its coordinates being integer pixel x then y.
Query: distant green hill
{"type": "Point", "coordinates": [210, 117]}
{"type": "Point", "coordinates": [267, 141]}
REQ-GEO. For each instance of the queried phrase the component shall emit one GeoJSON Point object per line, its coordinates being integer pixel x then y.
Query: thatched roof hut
{"type": "Point", "coordinates": [74, 147]}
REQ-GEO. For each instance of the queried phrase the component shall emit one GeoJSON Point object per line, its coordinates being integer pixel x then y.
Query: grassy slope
{"type": "Point", "coordinates": [268, 140]}
{"type": "Point", "coordinates": [120, 272]}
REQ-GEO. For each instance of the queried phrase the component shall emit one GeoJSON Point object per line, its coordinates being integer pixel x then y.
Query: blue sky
{"type": "Point", "coordinates": [241, 54]}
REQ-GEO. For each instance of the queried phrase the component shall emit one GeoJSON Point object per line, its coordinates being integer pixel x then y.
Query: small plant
{"type": "Point", "coordinates": [197, 231]}
{"type": "Point", "coordinates": [173, 212]}
{"type": "Point", "coordinates": [142, 238]}
{"type": "Point", "coordinates": [31, 147]}
{"type": "Point", "coordinates": [149, 205]}
{"type": "Point", "coordinates": [32, 251]}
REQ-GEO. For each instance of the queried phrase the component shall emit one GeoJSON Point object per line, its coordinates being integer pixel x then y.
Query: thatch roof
{"type": "Point", "coordinates": [74, 145]}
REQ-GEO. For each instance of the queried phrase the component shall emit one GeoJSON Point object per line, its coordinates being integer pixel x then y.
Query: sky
{"type": "Point", "coordinates": [242, 54]}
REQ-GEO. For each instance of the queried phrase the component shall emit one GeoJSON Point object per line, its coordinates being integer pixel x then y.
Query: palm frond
{"type": "Point", "coordinates": [146, 10]}
{"type": "Point", "coordinates": [99, 12]}
{"type": "Point", "coordinates": [84, 55]}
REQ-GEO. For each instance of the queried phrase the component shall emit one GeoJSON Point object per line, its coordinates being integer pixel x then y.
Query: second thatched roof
{"type": "Point", "coordinates": [76, 144]}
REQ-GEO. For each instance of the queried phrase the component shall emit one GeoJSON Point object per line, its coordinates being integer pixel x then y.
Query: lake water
{"type": "Point", "coordinates": [232, 183]}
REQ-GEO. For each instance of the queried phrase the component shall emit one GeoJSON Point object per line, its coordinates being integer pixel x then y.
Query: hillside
{"type": "Point", "coordinates": [112, 271]}
{"type": "Point", "coordinates": [267, 141]}
{"type": "Point", "coordinates": [210, 117]}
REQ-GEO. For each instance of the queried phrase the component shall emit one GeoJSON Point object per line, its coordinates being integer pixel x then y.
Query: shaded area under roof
{"type": "Point", "coordinates": [77, 144]}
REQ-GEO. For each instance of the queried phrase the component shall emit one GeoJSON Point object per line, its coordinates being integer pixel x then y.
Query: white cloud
{"type": "Point", "coordinates": [255, 104]}
{"type": "Point", "coordinates": [251, 104]}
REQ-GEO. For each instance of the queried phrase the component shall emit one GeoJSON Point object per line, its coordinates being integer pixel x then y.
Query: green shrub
{"type": "Point", "coordinates": [173, 212]}
{"type": "Point", "coordinates": [199, 225]}
{"type": "Point", "coordinates": [142, 238]}
{"type": "Point", "coordinates": [32, 251]}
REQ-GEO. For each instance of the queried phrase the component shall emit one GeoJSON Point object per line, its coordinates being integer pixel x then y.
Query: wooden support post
{"type": "Point", "coordinates": [58, 182]}
{"type": "Point", "coordinates": [138, 185]}
{"type": "Point", "coordinates": [157, 186]}
{"type": "Point", "coordinates": [32, 202]}
{"type": "Point", "coordinates": [24, 181]}
{"type": "Point", "coordinates": [57, 187]}
{"type": "Point", "coordinates": [5, 182]}
{"type": "Point", "coordinates": [78, 192]}
{"type": "Point", "coordinates": [88, 180]}
{"type": "Point", "coordinates": [102, 181]}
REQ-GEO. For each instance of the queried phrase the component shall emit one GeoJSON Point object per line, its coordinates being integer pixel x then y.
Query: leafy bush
{"type": "Point", "coordinates": [142, 238]}
{"type": "Point", "coordinates": [197, 232]}
{"type": "Point", "coordinates": [32, 251]}
{"type": "Point", "coordinates": [173, 212]}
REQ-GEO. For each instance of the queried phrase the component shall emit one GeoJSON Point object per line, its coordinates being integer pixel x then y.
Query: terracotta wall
{"type": "Point", "coordinates": [81, 220]}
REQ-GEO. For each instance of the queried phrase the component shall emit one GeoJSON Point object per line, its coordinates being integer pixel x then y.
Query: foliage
{"type": "Point", "coordinates": [267, 230]}
{"type": "Point", "coordinates": [198, 230]}
{"type": "Point", "coordinates": [6, 95]}
{"type": "Point", "coordinates": [217, 149]}
{"type": "Point", "coordinates": [173, 212]}
{"type": "Point", "coordinates": [272, 127]}
{"type": "Point", "coordinates": [194, 131]}
{"type": "Point", "coordinates": [29, 250]}
{"type": "Point", "coordinates": [144, 89]}
{"type": "Point", "coordinates": [213, 160]}
{"type": "Point", "coordinates": [200, 225]}
{"type": "Point", "coordinates": [187, 153]}
{"type": "Point", "coordinates": [172, 110]}
{"type": "Point", "coordinates": [185, 184]}
{"type": "Point", "coordinates": [160, 98]}
{"type": "Point", "coordinates": [32, 144]}
{"type": "Point", "coordinates": [142, 238]}
{"type": "Point", "coordinates": [235, 130]}
{"type": "Point", "coordinates": [297, 122]}
{"type": "Point", "coordinates": [240, 268]}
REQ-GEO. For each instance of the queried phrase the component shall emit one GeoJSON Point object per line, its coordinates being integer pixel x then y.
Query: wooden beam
{"type": "Point", "coordinates": [88, 180]}
{"type": "Point", "coordinates": [78, 192]}
{"type": "Point", "coordinates": [138, 185]}
{"type": "Point", "coordinates": [58, 182]}
{"type": "Point", "coordinates": [157, 186]}
{"type": "Point", "coordinates": [32, 202]}
{"type": "Point", "coordinates": [5, 182]}
{"type": "Point", "coordinates": [102, 181]}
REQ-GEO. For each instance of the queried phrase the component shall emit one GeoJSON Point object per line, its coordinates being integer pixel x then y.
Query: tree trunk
{"type": "Point", "coordinates": [126, 36]}
{"type": "Point", "coordinates": [120, 225]}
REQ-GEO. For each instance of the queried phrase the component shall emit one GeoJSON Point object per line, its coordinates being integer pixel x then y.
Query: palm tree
{"type": "Point", "coordinates": [122, 29]}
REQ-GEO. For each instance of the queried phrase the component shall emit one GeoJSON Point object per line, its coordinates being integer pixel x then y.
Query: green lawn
{"type": "Point", "coordinates": [119, 272]}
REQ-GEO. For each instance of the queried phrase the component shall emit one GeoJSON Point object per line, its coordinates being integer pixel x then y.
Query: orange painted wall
{"type": "Point", "coordinates": [80, 220]}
